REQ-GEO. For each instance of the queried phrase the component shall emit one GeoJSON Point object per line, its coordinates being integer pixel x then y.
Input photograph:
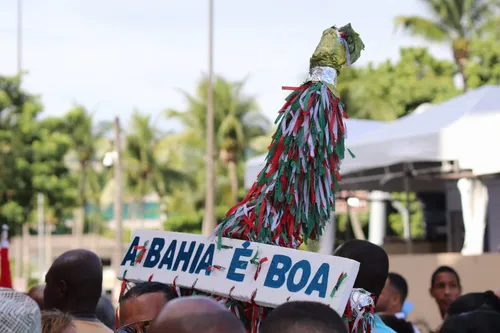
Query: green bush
{"type": "Point", "coordinates": [191, 223]}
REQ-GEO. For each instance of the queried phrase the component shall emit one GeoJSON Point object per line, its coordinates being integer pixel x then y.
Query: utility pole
{"type": "Point", "coordinates": [118, 204]}
{"type": "Point", "coordinates": [20, 244]}
{"type": "Point", "coordinates": [41, 233]}
{"type": "Point", "coordinates": [209, 222]}
{"type": "Point", "coordinates": [19, 36]}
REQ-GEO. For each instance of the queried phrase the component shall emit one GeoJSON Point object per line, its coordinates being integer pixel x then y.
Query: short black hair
{"type": "Point", "coordinates": [301, 316]}
{"type": "Point", "coordinates": [149, 288]}
{"type": "Point", "coordinates": [398, 282]}
{"type": "Point", "coordinates": [397, 324]}
{"type": "Point", "coordinates": [484, 321]}
{"type": "Point", "coordinates": [444, 269]}
{"type": "Point", "coordinates": [374, 264]}
{"type": "Point", "coordinates": [474, 301]}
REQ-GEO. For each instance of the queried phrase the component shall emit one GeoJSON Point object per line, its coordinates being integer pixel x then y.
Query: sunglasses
{"type": "Point", "coordinates": [139, 327]}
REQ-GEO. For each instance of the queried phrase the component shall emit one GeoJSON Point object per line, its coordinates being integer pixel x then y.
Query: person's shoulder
{"type": "Point", "coordinates": [384, 329]}
{"type": "Point", "coordinates": [381, 327]}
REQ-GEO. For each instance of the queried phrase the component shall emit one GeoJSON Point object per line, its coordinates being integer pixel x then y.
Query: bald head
{"type": "Point", "coordinates": [36, 293]}
{"type": "Point", "coordinates": [179, 307]}
{"type": "Point", "coordinates": [74, 282]}
{"type": "Point", "coordinates": [195, 314]}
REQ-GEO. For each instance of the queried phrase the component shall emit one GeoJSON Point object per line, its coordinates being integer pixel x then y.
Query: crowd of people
{"type": "Point", "coordinates": [71, 301]}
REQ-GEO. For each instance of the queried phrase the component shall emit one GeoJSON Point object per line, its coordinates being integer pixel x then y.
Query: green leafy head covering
{"type": "Point", "coordinates": [336, 48]}
{"type": "Point", "coordinates": [354, 42]}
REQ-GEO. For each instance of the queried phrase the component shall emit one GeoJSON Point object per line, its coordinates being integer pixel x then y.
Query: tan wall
{"type": "Point", "coordinates": [477, 273]}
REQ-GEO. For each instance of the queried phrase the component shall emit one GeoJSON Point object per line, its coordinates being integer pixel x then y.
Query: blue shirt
{"type": "Point", "coordinates": [380, 327]}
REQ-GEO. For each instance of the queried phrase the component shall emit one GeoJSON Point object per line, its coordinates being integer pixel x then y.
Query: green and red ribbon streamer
{"type": "Point", "coordinates": [341, 279]}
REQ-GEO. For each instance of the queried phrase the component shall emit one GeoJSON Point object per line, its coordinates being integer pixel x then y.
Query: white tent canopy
{"type": "Point", "coordinates": [356, 128]}
{"type": "Point", "coordinates": [463, 129]}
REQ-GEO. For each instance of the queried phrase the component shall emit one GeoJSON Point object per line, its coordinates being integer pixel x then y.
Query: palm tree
{"type": "Point", "coordinates": [84, 138]}
{"type": "Point", "coordinates": [99, 180]}
{"type": "Point", "coordinates": [236, 118]}
{"type": "Point", "coordinates": [240, 122]}
{"type": "Point", "coordinates": [146, 171]}
{"type": "Point", "coordinates": [455, 22]}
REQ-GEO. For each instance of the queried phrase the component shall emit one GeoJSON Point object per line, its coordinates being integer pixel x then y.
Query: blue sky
{"type": "Point", "coordinates": [114, 56]}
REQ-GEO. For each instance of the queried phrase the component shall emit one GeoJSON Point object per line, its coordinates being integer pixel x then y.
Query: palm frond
{"type": "Point", "coordinates": [421, 27]}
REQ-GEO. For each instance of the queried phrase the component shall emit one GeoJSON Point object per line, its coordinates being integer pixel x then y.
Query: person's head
{"type": "Point", "coordinates": [483, 321]}
{"type": "Point", "coordinates": [19, 313]}
{"type": "Point", "coordinates": [195, 314]}
{"type": "Point", "coordinates": [55, 321]}
{"type": "Point", "coordinates": [298, 317]}
{"type": "Point", "coordinates": [74, 282]}
{"type": "Point", "coordinates": [474, 301]}
{"type": "Point", "coordinates": [142, 303]}
{"type": "Point", "coordinates": [105, 312]}
{"type": "Point", "coordinates": [445, 287]}
{"type": "Point", "coordinates": [374, 264]}
{"type": "Point", "coordinates": [393, 295]}
{"type": "Point", "coordinates": [36, 293]}
{"type": "Point", "coordinates": [397, 324]}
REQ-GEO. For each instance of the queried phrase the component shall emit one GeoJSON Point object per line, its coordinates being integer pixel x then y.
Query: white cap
{"type": "Point", "coordinates": [18, 313]}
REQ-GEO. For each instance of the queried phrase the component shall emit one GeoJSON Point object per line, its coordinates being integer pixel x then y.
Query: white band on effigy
{"type": "Point", "coordinates": [323, 74]}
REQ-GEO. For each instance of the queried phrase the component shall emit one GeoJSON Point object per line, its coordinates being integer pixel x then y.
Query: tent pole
{"type": "Point", "coordinates": [407, 192]}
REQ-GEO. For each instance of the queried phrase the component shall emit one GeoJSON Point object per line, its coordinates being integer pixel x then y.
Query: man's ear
{"type": "Point", "coordinates": [431, 292]}
{"type": "Point", "coordinates": [397, 298]}
{"type": "Point", "coordinates": [63, 289]}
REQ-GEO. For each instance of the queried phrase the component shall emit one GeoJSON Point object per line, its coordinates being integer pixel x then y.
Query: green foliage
{"type": "Point", "coordinates": [343, 227]}
{"type": "Point", "coordinates": [191, 223]}
{"type": "Point", "coordinates": [392, 90]}
{"type": "Point", "coordinates": [484, 64]}
{"type": "Point", "coordinates": [127, 234]}
{"type": "Point", "coordinates": [454, 22]}
{"type": "Point", "coordinates": [32, 158]}
{"type": "Point", "coordinates": [147, 171]}
{"type": "Point", "coordinates": [450, 19]}
{"type": "Point", "coordinates": [417, 226]}
{"type": "Point", "coordinates": [236, 122]}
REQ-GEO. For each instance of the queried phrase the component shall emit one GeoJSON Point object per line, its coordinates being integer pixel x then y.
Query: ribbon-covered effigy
{"type": "Point", "coordinates": [252, 263]}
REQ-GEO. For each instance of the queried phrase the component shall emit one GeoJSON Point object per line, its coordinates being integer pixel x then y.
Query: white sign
{"type": "Point", "coordinates": [268, 275]}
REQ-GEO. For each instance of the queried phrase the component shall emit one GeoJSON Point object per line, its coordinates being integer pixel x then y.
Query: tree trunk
{"type": "Point", "coordinates": [18, 250]}
{"type": "Point", "coordinates": [94, 232]}
{"type": "Point", "coordinates": [461, 55]}
{"type": "Point", "coordinates": [461, 69]}
{"type": "Point", "coordinates": [26, 252]}
{"type": "Point", "coordinates": [356, 225]}
{"type": "Point", "coordinates": [48, 246]}
{"type": "Point", "coordinates": [142, 193]}
{"type": "Point", "coordinates": [79, 220]}
{"type": "Point", "coordinates": [233, 177]}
